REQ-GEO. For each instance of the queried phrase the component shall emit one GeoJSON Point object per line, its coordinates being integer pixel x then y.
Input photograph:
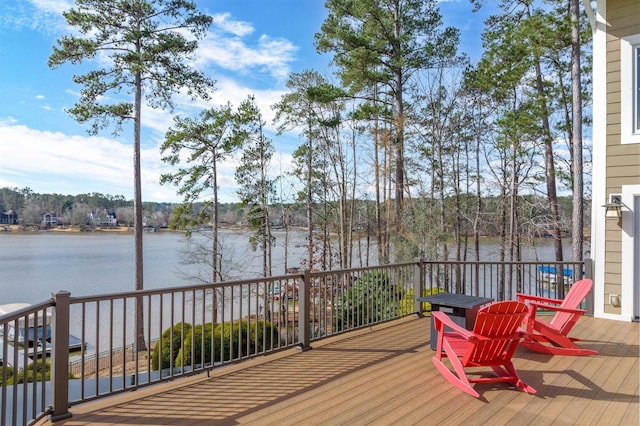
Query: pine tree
{"type": "Point", "coordinates": [147, 56]}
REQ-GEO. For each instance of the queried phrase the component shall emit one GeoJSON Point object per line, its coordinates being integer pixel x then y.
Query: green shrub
{"type": "Point", "coordinates": [41, 367]}
{"type": "Point", "coordinates": [194, 339]}
{"type": "Point", "coordinates": [248, 339]}
{"type": "Point", "coordinates": [236, 337]}
{"type": "Point", "coordinates": [9, 371]}
{"type": "Point", "coordinates": [265, 333]}
{"type": "Point", "coordinates": [371, 298]}
{"type": "Point", "coordinates": [167, 345]}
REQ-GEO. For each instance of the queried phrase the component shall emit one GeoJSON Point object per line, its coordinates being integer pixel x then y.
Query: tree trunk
{"type": "Point", "coordinates": [216, 273]}
{"type": "Point", "coordinates": [264, 197]}
{"type": "Point", "coordinates": [399, 133]}
{"type": "Point", "coordinates": [309, 202]}
{"type": "Point", "coordinates": [137, 207]}
{"type": "Point", "coordinates": [577, 216]}
{"type": "Point", "coordinates": [550, 170]}
{"type": "Point", "coordinates": [380, 178]}
{"type": "Point", "coordinates": [549, 161]}
{"type": "Point", "coordinates": [476, 219]}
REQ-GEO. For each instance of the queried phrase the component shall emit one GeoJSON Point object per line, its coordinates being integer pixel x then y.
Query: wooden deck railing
{"type": "Point", "coordinates": [188, 330]}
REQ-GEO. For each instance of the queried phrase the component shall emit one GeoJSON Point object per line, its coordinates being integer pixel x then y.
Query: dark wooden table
{"type": "Point", "coordinates": [462, 309]}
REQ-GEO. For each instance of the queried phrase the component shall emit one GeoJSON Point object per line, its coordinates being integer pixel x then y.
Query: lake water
{"type": "Point", "coordinates": [35, 265]}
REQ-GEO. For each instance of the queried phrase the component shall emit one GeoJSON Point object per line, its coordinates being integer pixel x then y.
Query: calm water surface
{"type": "Point", "coordinates": [35, 265]}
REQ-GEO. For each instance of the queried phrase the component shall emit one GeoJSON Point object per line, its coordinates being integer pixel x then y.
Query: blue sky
{"type": "Point", "coordinates": [251, 49]}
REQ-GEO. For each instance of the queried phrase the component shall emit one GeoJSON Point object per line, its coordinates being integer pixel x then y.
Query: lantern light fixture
{"type": "Point", "coordinates": [613, 209]}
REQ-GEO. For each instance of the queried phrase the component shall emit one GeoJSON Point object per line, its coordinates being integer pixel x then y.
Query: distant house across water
{"type": "Point", "coordinates": [8, 218]}
{"type": "Point", "coordinates": [50, 220]}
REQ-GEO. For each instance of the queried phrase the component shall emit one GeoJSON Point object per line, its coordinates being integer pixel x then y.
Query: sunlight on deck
{"type": "Point", "coordinates": [384, 375]}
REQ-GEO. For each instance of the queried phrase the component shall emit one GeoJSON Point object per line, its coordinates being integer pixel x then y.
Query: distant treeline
{"type": "Point", "coordinates": [27, 208]}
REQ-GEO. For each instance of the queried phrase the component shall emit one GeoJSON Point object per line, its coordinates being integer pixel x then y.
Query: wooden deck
{"type": "Point", "coordinates": [385, 376]}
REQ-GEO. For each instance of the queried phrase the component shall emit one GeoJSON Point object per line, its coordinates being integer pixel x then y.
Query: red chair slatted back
{"type": "Point", "coordinates": [498, 321]}
{"type": "Point", "coordinates": [577, 293]}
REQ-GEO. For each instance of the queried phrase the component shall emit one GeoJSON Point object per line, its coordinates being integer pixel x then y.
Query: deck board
{"type": "Point", "coordinates": [384, 375]}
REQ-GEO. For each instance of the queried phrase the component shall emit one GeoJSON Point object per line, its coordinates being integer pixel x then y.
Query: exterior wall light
{"type": "Point", "coordinates": [613, 209]}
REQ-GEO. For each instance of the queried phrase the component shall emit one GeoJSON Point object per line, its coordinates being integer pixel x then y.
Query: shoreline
{"type": "Point", "coordinates": [19, 229]}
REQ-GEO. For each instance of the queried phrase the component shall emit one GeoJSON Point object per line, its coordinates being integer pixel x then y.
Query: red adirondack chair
{"type": "Point", "coordinates": [551, 337]}
{"type": "Point", "coordinates": [492, 342]}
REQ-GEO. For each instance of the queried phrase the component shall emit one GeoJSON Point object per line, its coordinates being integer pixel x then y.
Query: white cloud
{"type": "Point", "coordinates": [266, 55]}
{"type": "Point", "coordinates": [53, 157]}
{"type": "Point", "coordinates": [63, 162]}
{"type": "Point", "coordinates": [6, 121]}
{"type": "Point", "coordinates": [43, 15]}
{"type": "Point", "coordinates": [226, 90]}
{"type": "Point", "coordinates": [234, 92]}
{"type": "Point", "coordinates": [49, 162]}
{"type": "Point", "coordinates": [237, 28]}
{"type": "Point", "coordinates": [156, 119]}
{"type": "Point", "coordinates": [52, 6]}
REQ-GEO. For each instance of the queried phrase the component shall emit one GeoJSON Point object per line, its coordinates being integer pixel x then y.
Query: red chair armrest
{"type": "Point", "coordinates": [535, 305]}
{"type": "Point", "coordinates": [527, 297]}
{"type": "Point", "coordinates": [441, 320]}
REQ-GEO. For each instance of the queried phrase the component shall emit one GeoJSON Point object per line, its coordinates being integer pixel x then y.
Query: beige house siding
{"type": "Point", "coordinates": [623, 16]}
{"type": "Point", "coordinates": [623, 160]}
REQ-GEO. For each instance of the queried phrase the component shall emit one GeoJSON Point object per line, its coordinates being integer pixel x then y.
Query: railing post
{"type": "Point", "coordinates": [60, 357]}
{"type": "Point", "coordinates": [304, 314]}
{"type": "Point", "coordinates": [588, 273]}
{"type": "Point", "coordinates": [418, 285]}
